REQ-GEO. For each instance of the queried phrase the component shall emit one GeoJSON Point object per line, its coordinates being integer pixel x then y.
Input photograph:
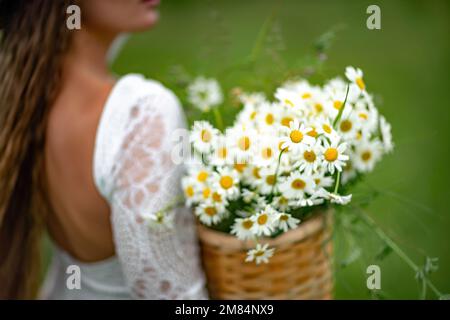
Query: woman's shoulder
{"type": "Point", "coordinates": [135, 87]}
{"type": "Point", "coordinates": [132, 104]}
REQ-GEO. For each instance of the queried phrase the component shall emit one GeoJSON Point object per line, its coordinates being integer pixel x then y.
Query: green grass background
{"type": "Point", "coordinates": [406, 64]}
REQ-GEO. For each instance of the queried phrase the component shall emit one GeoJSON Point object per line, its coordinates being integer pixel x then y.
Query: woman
{"type": "Point", "coordinates": [87, 159]}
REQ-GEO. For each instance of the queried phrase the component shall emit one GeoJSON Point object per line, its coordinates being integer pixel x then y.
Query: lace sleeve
{"type": "Point", "coordinates": [158, 262]}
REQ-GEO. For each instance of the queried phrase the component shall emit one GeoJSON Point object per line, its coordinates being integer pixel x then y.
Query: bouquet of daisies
{"type": "Point", "coordinates": [283, 158]}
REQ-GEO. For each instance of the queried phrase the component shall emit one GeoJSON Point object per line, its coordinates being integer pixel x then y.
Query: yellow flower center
{"type": "Point", "coordinates": [217, 197]}
{"type": "Point", "coordinates": [206, 193]}
{"type": "Point", "coordinates": [298, 184]}
{"type": "Point", "coordinates": [326, 128]}
{"type": "Point", "coordinates": [331, 154]}
{"type": "Point", "coordinates": [317, 181]}
{"type": "Point", "coordinates": [226, 182]}
{"type": "Point", "coordinates": [286, 121]}
{"type": "Point", "coordinates": [309, 156]}
{"type": "Point", "coordinates": [239, 166]}
{"type": "Point", "coordinates": [270, 180]}
{"type": "Point", "coordinates": [346, 126]}
{"type": "Point", "coordinates": [318, 107]}
{"type": "Point", "coordinates": [259, 253]}
{"type": "Point", "coordinates": [206, 136]}
{"type": "Point", "coordinates": [262, 219]}
{"type": "Point", "coordinates": [366, 156]}
{"type": "Point", "coordinates": [363, 116]}
{"type": "Point", "coordinates": [253, 115]}
{"type": "Point", "coordinates": [222, 152]}
{"type": "Point", "coordinates": [313, 133]}
{"type": "Point", "coordinates": [202, 176]}
{"type": "Point", "coordinates": [256, 173]}
{"type": "Point", "coordinates": [247, 224]}
{"type": "Point", "coordinates": [280, 146]}
{"type": "Point", "coordinates": [284, 217]}
{"type": "Point", "coordinates": [269, 119]}
{"type": "Point", "coordinates": [267, 153]}
{"type": "Point", "coordinates": [296, 136]}
{"type": "Point", "coordinates": [190, 191]}
{"type": "Point", "coordinates": [337, 104]}
{"type": "Point", "coordinates": [360, 83]}
{"type": "Point", "coordinates": [306, 95]}
{"type": "Point", "coordinates": [244, 143]}
{"type": "Point", "coordinates": [288, 102]}
{"type": "Point", "coordinates": [210, 211]}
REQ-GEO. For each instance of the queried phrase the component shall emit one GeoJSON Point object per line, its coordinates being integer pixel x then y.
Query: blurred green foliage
{"type": "Point", "coordinates": [406, 66]}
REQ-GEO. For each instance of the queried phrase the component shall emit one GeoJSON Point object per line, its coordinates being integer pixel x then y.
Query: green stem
{"type": "Point", "coordinates": [276, 173]}
{"type": "Point", "coordinates": [338, 181]}
{"type": "Point", "coordinates": [395, 248]}
{"type": "Point", "coordinates": [218, 118]}
{"type": "Point", "coordinates": [339, 115]}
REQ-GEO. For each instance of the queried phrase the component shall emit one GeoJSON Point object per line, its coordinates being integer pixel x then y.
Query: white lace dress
{"type": "Point", "coordinates": [133, 170]}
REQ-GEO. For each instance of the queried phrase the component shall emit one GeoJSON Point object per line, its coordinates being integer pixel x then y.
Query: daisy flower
{"type": "Point", "coordinates": [159, 221]}
{"type": "Point", "coordinates": [210, 213]}
{"type": "Point", "coordinates": [222, 154]}
{"type": "Point", "coordinates": [386, 135]}
{"type": "Point", "coordinates": [267, 116]}
{"type": "Point", "coordinates": [226, 180]}
{"type": "Point", "coordinates": [296, 185]}
{"type": "Point", "coordinates": [285, 222]}
{"type": "Point", "coordinates": [332, 155]}
{"type": "Point", "coordinates": [190, 189]}
{"type": "Point", "coordinates": [204, 93]}
{"type": "Point", "coordinates": [287, 98]}
{"type": "Point", "coordinates": [367, 154]}
{"type": "Point", "coordinates": [310, 158]}
{"type": "Point", "coordinates": [267, 151]}
{"type": "Point", "coordinates": [296, 137]}
{"type": "Point", "coordinates": [242, 228]}
{"type": "Point", "coordinates": [321, 180]}
{"type": "Point", "coordinates": [259, 254]}
{"type": "Point", "coordinates": [263, 222]}
{"type": "Point", "coordinates": [334, 197]}
{"type": "Point", "coordinates": [268, 180]}
{"type": "Point", "coordinates": [355, 75]}
{"type": "Point", "coordinates": [203, 136]}
{"type": "Point", "coordinates": [243, 141]}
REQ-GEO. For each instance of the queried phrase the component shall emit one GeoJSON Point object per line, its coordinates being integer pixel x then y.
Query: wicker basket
{"type": "Point", "coordinates": [299, 269]}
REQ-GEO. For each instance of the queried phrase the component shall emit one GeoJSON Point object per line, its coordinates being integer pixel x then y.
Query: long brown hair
{"type": "Point", "coordinates": [34, 38]}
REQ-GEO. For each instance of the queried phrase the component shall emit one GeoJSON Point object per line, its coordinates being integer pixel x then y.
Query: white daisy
{"type": "Point", "coordinates": [268, 181]}
{"type": "Point", "coordinates": [321, 180]}
{"type": "Point", "coordinates": [386, 135]}
{"type": "Point", "coordinates": [267, 151]}
{"type": "Point", "coordinates": [296, 185]}
{"type": "Point", "coordinates": [310, 158]}
{"type": "Point", "coordinates": [367, 153]}
{"type": "Point", "coordinates": [204, 93]}
{"type": "Point", "coordinates": [334, 197]}
{"type": "Point", "coordinates": [243, 228]}
{"type": "Point", "coordinates": [285, 222]}
{"type": "Point", "coordinates": [203, 136]}
{"type": "Point", "coordinates": [296, 137]}
{"type": "Point", "coordinates": [263, 222]}
{"type": "Point", "coordinates": [159, 221]}
{"type": "Point", "coordinates": [355, 75]}
{"type": "Point", "coordinates": [287, 98]}
{"type": "Point", "coordinates": [190, 189]}
{"type": "Point", "coordinates": [333, 155]}
{"type": "Point", "coordinates": [260, 254]}
{"type": "Point", "coordinates": [243, 141]}
{"type": "Point", "coordinates": [210, 213]}
{"type": "Point", "coordinates": [222, 154]}
{"type": "Point", "coordinates": [227, 181]}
